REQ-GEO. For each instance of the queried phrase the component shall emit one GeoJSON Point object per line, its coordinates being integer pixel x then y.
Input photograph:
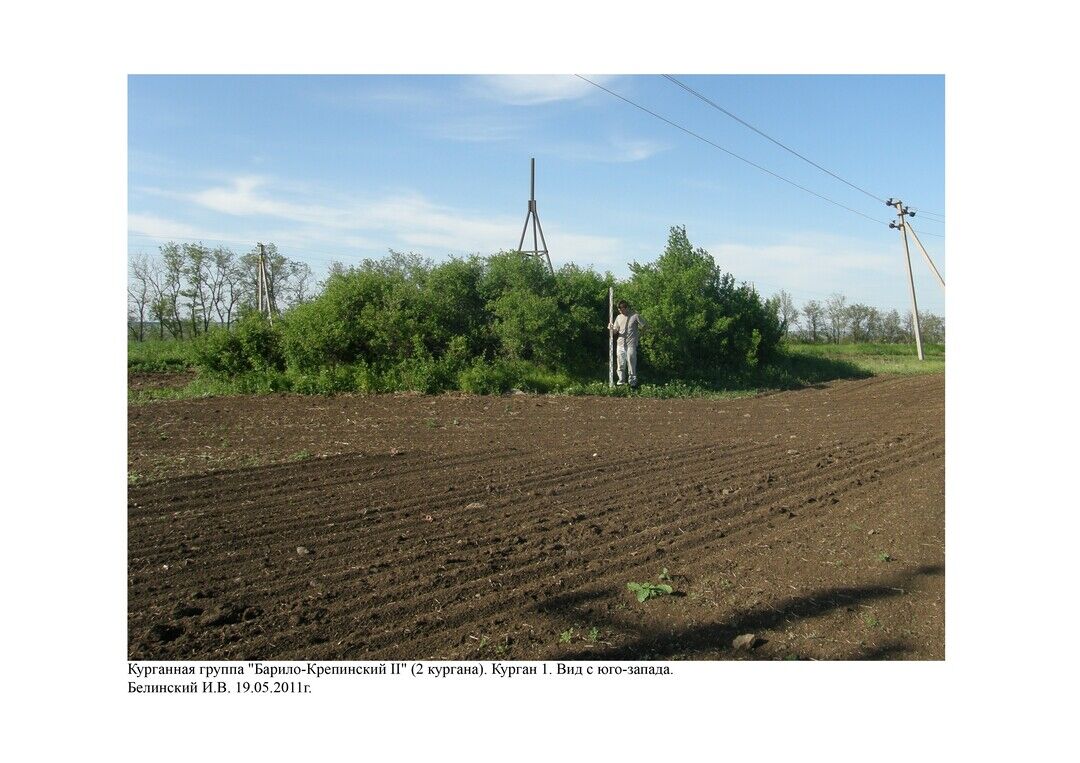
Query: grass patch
{"type": "Point", "coordinates": [160, 356]}
{"type": "Point", "coordinates": [874, 358]}
{"type": "Point", "coordinates": [794, 366]}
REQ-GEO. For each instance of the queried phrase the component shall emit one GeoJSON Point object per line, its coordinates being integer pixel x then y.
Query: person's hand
{"type": "Point", "coordinates": [610, 326]}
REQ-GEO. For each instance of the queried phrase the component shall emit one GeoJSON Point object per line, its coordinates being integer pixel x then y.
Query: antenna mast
{"type": "Point", "coordinates": [536, 251]}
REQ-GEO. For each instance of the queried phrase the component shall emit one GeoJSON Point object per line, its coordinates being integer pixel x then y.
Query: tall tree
{"type": "Point", "coordinates": [873, 325]}
{"type": "Point", "coordinates": [814, 315]}
{"type": "Point", "coordinates": [140, 293]}
{"type": "Point", "coordinates": [197, 272]}
{"type": "Point", "coordinates": [892, 328]}
{"type": "Point", "coordinates": [836, 312]}
{"type": "Point", "coordinates": [171, 287]}
{"type": "Point", "coordinates": [858, 317]}
{"type": "Point", "coordinates": [786, 311]}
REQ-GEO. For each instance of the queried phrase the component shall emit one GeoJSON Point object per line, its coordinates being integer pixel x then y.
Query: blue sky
{"type": "Point", "coordinates": [348, 167]}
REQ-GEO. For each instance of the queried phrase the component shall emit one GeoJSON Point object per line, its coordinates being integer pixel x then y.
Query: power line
{"type": "Point", "coordinates": [732, 153]}
{"type": "Point", "coordinates": [787, 148]}
{"type": "Point", "coordinates": [790, 150]}
{"type": "Point", "coordinates": [931, 215]}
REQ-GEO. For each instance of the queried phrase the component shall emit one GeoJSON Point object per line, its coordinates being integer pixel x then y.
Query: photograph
{"type": "Point", "coordinates": [506, 368]}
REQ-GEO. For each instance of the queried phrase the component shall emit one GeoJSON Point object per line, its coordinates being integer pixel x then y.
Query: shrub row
{"type": "Point", "coordinates": [491, 324]}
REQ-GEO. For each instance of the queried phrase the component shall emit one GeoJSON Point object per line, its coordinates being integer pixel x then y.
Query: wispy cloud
{"type": "Point", "coordinates": [613, 150]}
{"type": "Point", "coordinates": [405, 220]}
{"type": "Point", "coordinates": [150, 227]}
{"type": "Point", "coordinates": [811, 265]}
{"type": "Point", "coordinates": [488, 128]}
{"type": "Point", "coordinates": [533, 89]}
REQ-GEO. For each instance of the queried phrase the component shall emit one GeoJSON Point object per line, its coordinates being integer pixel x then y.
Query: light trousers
{"type": "Point", "coordinates": [628, 363]}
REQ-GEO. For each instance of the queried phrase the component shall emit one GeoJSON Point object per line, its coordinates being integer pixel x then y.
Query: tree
{"type": "Point", "coordinates": [701, 323]}
{"type": "Point", "coordinates": [139, 293]}
{"type": "Point", "coordinates": [858, 320]}
{"type": "Point", "coordinates": [892, 328]}
{"type": "Point", "coordinates": [873, 325]}
{"type": "Point", "coordinates": [933, 328]}
{"type": "Point", "coordinates": [786, 311]}
{"type": "Point", "coordinates": [228, 279]}
{"type": "Point", "coordinates": [197, 273]}
{"type": "Point", "coordinates": [836, 312]}
{"type": "Point", "coordinates": [170, 287]}
{"type": "Point", "coordinates": [814, 314]}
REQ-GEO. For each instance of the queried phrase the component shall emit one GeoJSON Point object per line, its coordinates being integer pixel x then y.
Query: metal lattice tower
{"type": "Point", "coordinates": [536, 251]}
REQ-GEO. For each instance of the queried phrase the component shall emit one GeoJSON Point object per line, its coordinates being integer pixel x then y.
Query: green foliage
{"type": "Point", "coordinates": [501, 323]}
{"type": "Point", "coordinates": [646, 591]}
{"type": "Point", "coordinates": [160, 356]}
{"type": "Point", "coordinates": [875, 358]}
{"type": "Point", "coordinates": [253, 345]}
{"type": "Point", "coordinates": [566, 635]}
{"type": "Point", "coordinates": [699, 321]}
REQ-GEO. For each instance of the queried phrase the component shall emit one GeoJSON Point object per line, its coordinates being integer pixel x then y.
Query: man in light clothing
{"type": "Point", "coordinates": [628, 326]}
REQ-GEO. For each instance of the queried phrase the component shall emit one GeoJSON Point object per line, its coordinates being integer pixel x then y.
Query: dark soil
{"type": "Point", "coordinates": [453, 527]}
{"type": "Point", "coordinates": [147, 380]}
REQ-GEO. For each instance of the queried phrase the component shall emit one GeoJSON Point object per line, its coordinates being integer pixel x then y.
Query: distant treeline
{"type": "Point", "coordinates": [834, 321]}
{"type": "Point", "coordinates": [186, 289]}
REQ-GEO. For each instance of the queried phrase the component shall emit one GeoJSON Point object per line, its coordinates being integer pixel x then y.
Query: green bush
{"type": "Point", "coordinates": [252, 345]}
{"type": "Point", "coordinates": [699, 321]}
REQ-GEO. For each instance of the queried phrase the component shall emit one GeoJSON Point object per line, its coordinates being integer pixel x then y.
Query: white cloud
{"type": "Point", "coordinates": [533, 89]}
{"type": "Point", "coordinates": [400, 221]}
{"type": "Point", "coordinates": [160, 227]}
{"type": "Point", "coordinates": [614, 150]}
{"type": "Point", "coordinates": [476, 128]}
{"type": "Point", "coordinates": [811, 265]}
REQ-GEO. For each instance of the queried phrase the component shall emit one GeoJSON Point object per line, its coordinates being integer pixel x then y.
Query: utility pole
{"type": "Point", "coordinates": [537, 229]}
{"type": "Point", "coordinates": [264, 290]}
{"type": "Point", "coordinates": [901, 213]}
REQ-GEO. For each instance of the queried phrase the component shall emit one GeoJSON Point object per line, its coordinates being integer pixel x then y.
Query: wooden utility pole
{"type": "Point", "coordinates": [265, 291]}
{"type": "Point", "coordinates": [901, 213]}
{"type": "Point", "coordinates": [259, 281]}
{"type": "Point", "coordinates": [537, 228]}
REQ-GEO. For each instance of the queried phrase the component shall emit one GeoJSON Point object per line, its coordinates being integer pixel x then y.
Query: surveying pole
{"type": "Point", "coordinates": [611, 337]}
{"type": "Point", "coordinates": [531, 214]}
{"type": "Point", "coordinates": [901, 213]}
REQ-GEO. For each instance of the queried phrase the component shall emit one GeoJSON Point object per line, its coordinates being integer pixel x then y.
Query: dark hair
{"type": "Point", "coordinates": [623, 303]}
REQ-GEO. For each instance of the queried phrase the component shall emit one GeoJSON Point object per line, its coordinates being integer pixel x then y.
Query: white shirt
{"type": "Point", "coordinates": [629, 327]}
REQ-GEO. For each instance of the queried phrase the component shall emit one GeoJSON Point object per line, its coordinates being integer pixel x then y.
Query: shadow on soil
{"type": "Point", "coordinates": [786, 371]}
{"type": "Point", "coordinates": [714, 639]}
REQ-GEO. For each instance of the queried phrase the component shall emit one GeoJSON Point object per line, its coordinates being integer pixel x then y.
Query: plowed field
{"type": "Point", "coordinates": [413, 527]}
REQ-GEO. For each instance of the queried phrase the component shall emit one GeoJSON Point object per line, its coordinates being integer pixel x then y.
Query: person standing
{"type": "Point", "coordinates": [627, 326]}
